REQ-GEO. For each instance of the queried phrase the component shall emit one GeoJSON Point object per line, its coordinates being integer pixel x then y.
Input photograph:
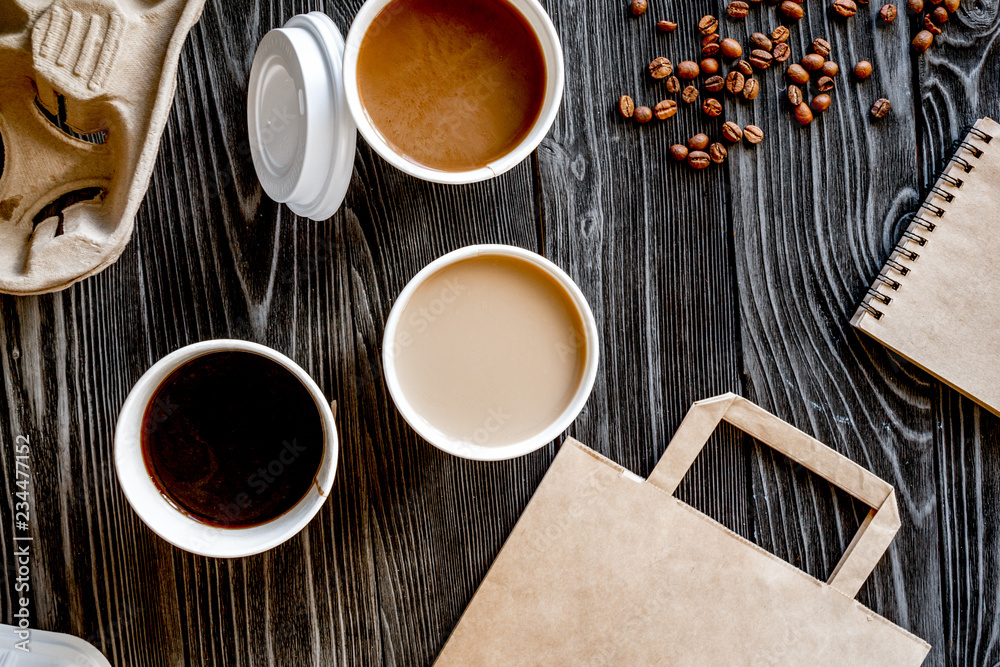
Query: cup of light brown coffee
{"type": "Point", "coordinates": [453, 91]}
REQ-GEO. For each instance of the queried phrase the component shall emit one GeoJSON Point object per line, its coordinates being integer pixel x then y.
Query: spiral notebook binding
{"type": "Point", "coordinates": [943, 189]}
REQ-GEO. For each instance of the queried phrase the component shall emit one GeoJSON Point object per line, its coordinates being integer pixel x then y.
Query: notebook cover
{"type": "Point", "coordinates": [944, 315]}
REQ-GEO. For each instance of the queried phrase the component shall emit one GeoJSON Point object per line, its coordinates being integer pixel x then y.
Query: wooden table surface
{"type": "Point", "coordinates": [740, 278]}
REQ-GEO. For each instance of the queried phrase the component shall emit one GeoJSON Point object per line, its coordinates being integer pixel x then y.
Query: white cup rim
{"type": "Point", "coordinates": [469, 450]}
{"type": "Point", "coordinates": [180, 529]}
{"type": "Point", "coordinates": [540, 23]}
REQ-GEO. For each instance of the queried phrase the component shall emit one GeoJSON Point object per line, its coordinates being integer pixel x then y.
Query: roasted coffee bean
{"type": "Point", "coordinates": [813, 62]}
{"type": "Point", "coordinates": [715, 83]}
{"type": "Point", "coordinates": [753, 134]}
{"type": "Point", "coordinates": [673, 85]}
{"type": "Point", "coordinates": [626, 107]}
{"type": "Point", "coordinates": [797, 74]}
{"type": "Point", "coordinates": [717, 153]}
{"type": "Point", "coordinates": [820, 103]}
{"type": "Point", "coordinates": [731, 48]}
{"type": "Point", "coordinates": [698, 142]}
{"type": "Point", "coordinates": [643, 114]}
{"type": "Point", "coordinates": [666, 26]}
{"type": "Point", "coordinates": [951, 5]}
{"type": "Point", "coordinates": [738, 9]}
{"type": "Point", "coordinates": [780, 34]}
{"type": "Point", "coordinates": [915, 6]}
{"type": "Point", "coordinates": [710, 39]}
{"type": "Point", "coordinates": [845, 8]}
{"type": "Point", "coordinates": [751, 89]}
{"type": "Point", "coordinates": [760, 41]}
{"type": "Point", "coordinates": [760, 58]}
{"type": "Point", "coordinates": [712, 107]}
{"type": "Point", "coordinates": [794, 95]}
{"type": "Point", "coordinates": [830, 69]}
{"type": "Point", "coordinates": [734, 82]}
{"type": "Point", "coordinates": [744, 68]}
{"type": "Point", "coordinates": [638, 7]}
{"type": "Point", "coordinates": [689, 95]}
{"type": "Point", "coordinates": [803, 114]}
{"type": "Point", "coordinates": [887, 13]}
{"type": "Point", "coordinates": [863, 69]}
{"type": "Point", "coordinates": [710, 50]}
{"type": "Point", "coordinates": [699, 160]}
{"type": "Point", "coordinates": [708, 24]}
{"type": "Point", "coordinates": [782, 52]}
{"type": "Point", "coordinates": [679, 152]}
{"type": "Point", "coordinates": [881, 108]}
{"type": "Point", "coordinates": [709, 66]}
{"type": "Point", "coordinates": [922, 41]}
{"type": "Point", "coordinates": [791, 10]}
{"type": "Point", "coordinates": [930, 26]}
{"type": "Point", "coordinates": [665, 109]}
{"type": "Point", "coordinates": [940, 15]}
{"type": "Point", "coordinates": [825, 84]}
{"type": "Point", "coordinates": [822, 47]}
{"type": "Point", "coordinates": [660, 68]}
{"type": "Point", "coordinates": [731, 132]}
{"type": "Point", "coordinates": [688, 70]}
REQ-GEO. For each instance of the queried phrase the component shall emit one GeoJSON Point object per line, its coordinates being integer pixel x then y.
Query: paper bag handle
{"type": "Point", "coordinates": [878, 528]}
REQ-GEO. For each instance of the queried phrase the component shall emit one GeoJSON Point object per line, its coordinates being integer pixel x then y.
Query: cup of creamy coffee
{"type": "Point", "coordinates": [490, 352]}
{"type": "Point", "coordinates": [226, 448]}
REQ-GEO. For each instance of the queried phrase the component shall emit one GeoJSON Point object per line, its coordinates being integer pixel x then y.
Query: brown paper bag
{"type": "Point", "coordinates": [604, 568]}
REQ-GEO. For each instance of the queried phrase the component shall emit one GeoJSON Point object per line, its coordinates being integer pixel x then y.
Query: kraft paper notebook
{"type": "Point", "coordinates": [935, 300]}
{"type": "Point", "coordinates": [606, 568]}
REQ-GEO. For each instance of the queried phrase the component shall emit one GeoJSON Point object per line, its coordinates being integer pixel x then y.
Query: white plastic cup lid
{"type": "Point", "coordinates": [302, 134]}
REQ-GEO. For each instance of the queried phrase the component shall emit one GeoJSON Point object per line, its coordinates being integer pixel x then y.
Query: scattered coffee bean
{"type": "Point", "coordinates": [887, 13]}
{"type": "Point", "coordinates": [731, 48]}
{"type": "Point", "coordinates": [820, 103]}
{"type": "Point", "coordinates": [715, 83]}
{"type": "Point", "coordinates": [708, 24]}
{"type": "Point", "coordinates": [915, 6]}
{"type": "Point", "coordinates": [881, 108]}
{"type": "Point", "coordinates": [699, 160]}
{"type": "Point", "coordinates": [794, 95]}
{"type": "Point", "coordinates": [673, 85]}
{"type": "Point", "coordinates": [744, 68]}
{"type": "Point", "coordinates": [803, 114]}
{"type": "Point", "coordinates": [710, 39]}
{"type": "Point", "coordinates": [760, 58]}
{"type": "Point", "coordinates": [638, 7]}
{"type": "Point", "coordinates": [626, 107]}
{"type": "Point", "coordinates": [665, 109]}
{"type": "Point", "coordinates": [780, 34]}
{"type": "Point", "coordinates": [643, 114]}
{"type": "Point", "coordinates": [813, 62]}
{"type": "Point", "coordinates": [738, 9]}
{"type": "Point", "coordinates": [688, 70]}
{"type": "Point", "coordinates": [940, 15]}
{"type": "Point", "coordinates": [830, 69]}
{"type": "Point", "coordinates": [951, 5]}
{"type": "Point", "coordinates": [660, 68]}
{"type": "Point", "coordinates": [760, 41]}
{"type": "Point", "coordinates": [845, 8]}
{"type": "Point", "coordinates": [753, 134]}
{"type": "Point", "coordinates": [782, 52]}
{"type": "Point", "coordinates": [709, 66]}
{"type": "Point", "coordinates": [825, 84]}
{"type": "Point", "coordinates": [689, 95]}
{"type": "Point", "coordinates": [717, 153]}
{"type": "Point", "coordinates": [731, 132]}
{"type": "Point", "coordinates": [698, 142]}
{"type": "Point", "coordinates": [797, 74]}
{"type": "Point", "coordinates": [922, 41]}
{"type": "Point", "coordinates": [930, 26]}
{"type": "Point", "coordinates": [666, 26]}
{"type": "Point", "coordinates": [710, 50]}
{"type": "Point", "coordinates": [751, 89]}
{"type": "Point", "coordinates": [679, 152]}
{"type": "Point", "coordinates": [734, 82]}
{"type": "Point", "coordinates": [712, 107]}
{"type": "Point", "coordinates": [822, 47]}
{"type": "Point", "coordinates": [863, 69]}
{"type": "Point", "coordinates": [791, 10]}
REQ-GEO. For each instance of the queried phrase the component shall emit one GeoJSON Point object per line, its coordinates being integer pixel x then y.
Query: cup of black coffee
{"type": "Point", "coordinates": [226, 448]}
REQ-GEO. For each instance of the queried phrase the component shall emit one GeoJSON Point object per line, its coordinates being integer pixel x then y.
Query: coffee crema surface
{"type": "Point", "coordinates": [490, 350]}
{"type": "Point", "coordinates": [452, 85]}
{"type": "Point", "coordinates": [232, 439]}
